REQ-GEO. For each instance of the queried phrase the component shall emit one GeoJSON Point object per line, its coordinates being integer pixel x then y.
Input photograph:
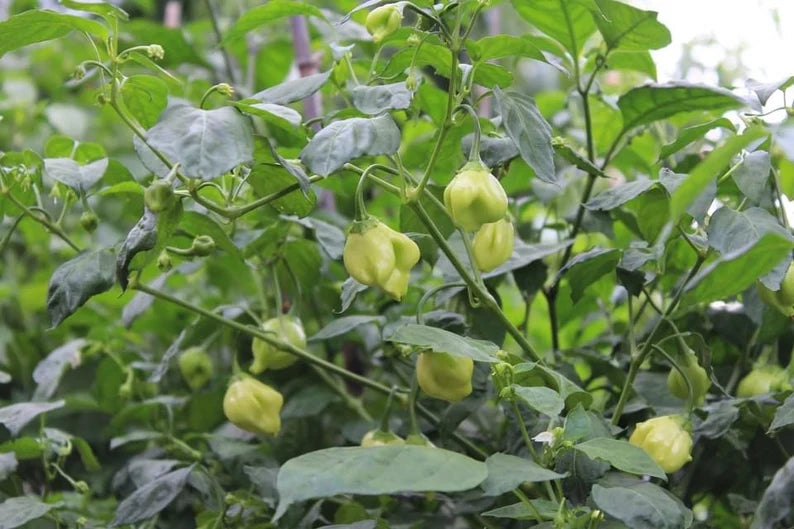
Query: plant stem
{"type": "Point", "coordinates": [227, 60]}
{"type": "Point", "coordinates": [637, 360]}
{"type": "Point", "coordinates": [528, 442]}
{"type": "Point", "coordinates": [44, 221]}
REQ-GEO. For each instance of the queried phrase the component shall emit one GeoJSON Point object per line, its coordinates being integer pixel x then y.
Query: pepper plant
{"type": "Point", "coordinates": [378, 265]}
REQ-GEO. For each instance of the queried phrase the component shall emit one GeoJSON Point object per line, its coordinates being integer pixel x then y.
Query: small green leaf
{"type": "Point", "coordinates": [16, 416]}
{"type": "Point", "coordinates": [293, 90]}
{"type": "Point", "coordinates": [343, 325]}
{"type": "Point", "coordinates": [587, 268]}
{"type": "Point", "coordinates": [38, 25]}
{"type": "Point", "coordinates": [629, 28]}
{"type": "Point", "coordinates": [540, 398]}
{"type": "Point", "coordinates": [621, 455]}
{"type": "Point", "coordinates": [641, 506]}
{"type": "Point", "coordinates": [506, 472]}
{"type": "Point", "coordinates": [567, 21]}
{"type": "Point", "coordinates": [70, 173]}
{"type": "Point", "coordinates": [151, 498]}
{"type": "Point", "coordinates": [146, 97]}
{"type": "Point", "coordinates": [784, 414]}
{"type": "Point", "coordinates": [15, 512]}
{"type": "Point", "coordinates": [75, 281]}
{"type": "Point", "coordinates": [441, 341]}
{"type": "Point", "coordinates": [373, 100]}
{"type": "Point", "coordinates": [272, 11]}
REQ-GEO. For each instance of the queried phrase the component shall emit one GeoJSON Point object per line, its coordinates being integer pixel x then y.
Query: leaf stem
{"type": "Point", "coordinates": [43, 220]}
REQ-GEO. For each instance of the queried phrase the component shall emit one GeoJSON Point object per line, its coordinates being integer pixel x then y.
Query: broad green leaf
{"type": "Point", "coordinates": [500, 46]}
{"type": "Point", "coordinates": [374, 471]}
{"type": "Point", "coordinates": [293, 90]}
{"type": "Point", "coordinates": [49, 371]}
{"type": "Point", "coordinates": [150, 233]}
{"type": "Point", "coordinates": [103, 9]}
{"type": "Point", "coordinates": [776, 503]}
{"type": "Point", "coordinates": [686, 136]}
{"type": "Point", "coordinates": [275, 181]}
{"type": "Point", "coordinates": [784, 414]}
{"type": "Point", "coordinates": [652, 102]}
{"type": "Point", "coordinates": [70, 173]}
{"type": "Point", "coordinates": [441, 341]}
{"type": "Point", "coordinates": [76, 280]}
{"type": "Point", "coordinates": [15, 512]}
{"type": "Point", "coordinates": [8, 464]}
{"type": "Point", "coordinates": [343, 325]}
{"type": "Point", "coordinates": [567, 21]}
{"type": "Point", "coordinates": [151, 498]}
{"type": "Point", "coordinates": [752, 176]}
{"type": "Point", "coordinates": [587, 268]}
{"type": "Point", "coordinates": [636, 61]}
{"type": "Point", "coordinates": [493, 150]}
{"type": "Point", "coordinates": [348, 139]}
{"type": "Point", "coordinates": [146, 97]}
{"type": "Point", "coordinates": [706, 171]}
{"type": "Point", "coordinates": [506, 472]}
{"type": "Point", "coordinates": [206, 143]}
{"type": "Point", "coordinates": [573, 157]}
{"type": "Point", "coordinates": [16, 416]}
{"type": "Point", "coordinates": [730, 230]}
{"type": "Point", "coordinates": [373, 100]}
{"type": "Point", "coordinates": [642, 506]}
{"type": "Point", "coordinates": [272, 11]}
{"type": "Point", "coordinates": [540, 398]}
{"type": "Point", "coordinates": [629, 28]}
{"type": "Point", "coordinates": [330, 237]}
{"type": "Point", "coordinates": [621, 455]}
{"type": "Point", "coordinates": [521, 511]}
{"type": "Point", "coordinates": [733, 272]}
{"type": "Point", "coordinates": [285, 118]}
{"type": "Point", "coordinates": [765, 90]}
{"type": "Point", "coordinates": [532, 374]}
{"type": "Point", "coordinates": [618, 195]}
{"type": "Point", "coordinates": [530, 132]}
{"type": "Point", "coordinates": [39, 25]}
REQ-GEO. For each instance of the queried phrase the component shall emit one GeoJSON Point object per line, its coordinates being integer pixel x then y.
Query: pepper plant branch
{"type": "Point", "coordinates": [637, 360]}
{"type": "Point", "coordinates": [41, 219]}
{"type": "Point", "coordinates": [227, 60]}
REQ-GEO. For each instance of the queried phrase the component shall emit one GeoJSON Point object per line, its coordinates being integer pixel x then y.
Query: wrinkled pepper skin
{"type": "Point", "coordinates": [285, 328]}
{"type": "Point", "coordinates": [475, 197]}
{"type": "Point", "coordinates": [665, 440]}
{"type": "Point", "coordinates": [381, 438]}
{"type": "Point", "coordinates": [697, 377]}
{"type": "Point", "coordinates": [444, 376]}
{"type": "Point", "coordinates": [762, 380]}
{"type": "Point", "coordinates": [493, 244]}
{"type": "Point", "coordinates": [253, 406]}
{"type": "Point", "coordinates": [376, 255]}
{"type": "Point", "coordinates": [196, 367]}
{"type": "Point", "coordinates": [159, 196]}
{"type": "Point", "coordinates": [783, 299]}
{"type": "Point", "coordinates": [383, 21]}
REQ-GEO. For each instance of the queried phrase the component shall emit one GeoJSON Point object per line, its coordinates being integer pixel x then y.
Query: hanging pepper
{"type": "Point", "coordinates": [266, 356]}
{"type": "Point", "coordinates": [493, 244]}
{"type": "Point", "coordinates": [444, 376]}
{"type": "Point", "coordinates": [475, 197]}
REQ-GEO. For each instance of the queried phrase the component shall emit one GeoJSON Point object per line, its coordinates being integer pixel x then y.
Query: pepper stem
{"type": "Point", "coordinates": [361, 208]}
{"type": "Point", "coordinates": [430, 293]}
{"type": "Point", "coordinates": [474, 151]}
{"type": "Point", "coordinates": [384, 420]}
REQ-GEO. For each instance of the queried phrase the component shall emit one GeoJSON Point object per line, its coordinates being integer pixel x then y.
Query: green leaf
{"type": "Point", "coordinates": [752, 176]}
{"type": "Point", "coordinates": [567, 21]}
{"type": "Point", "coordinates": [375, 470]}
{"type": "Point", "coordinates": [343, 325]}
{"type": "Point", "coordinates": [15, 512]}
{"type": "Point", "coordinates": [39, 25]}
{"type": "Point", "coordinates": [146, 97]}
{"type": "Point", "coordinates": [150, 233]}
{"type": "Point", "coordinates": [506, 472]}
{"type": "Point", "coordinates": [348, 139]}
{"type": "Point", "coordinates": [641, 506]}
{"type": "Point", "coordinates": [373, 100]}
{"type": "Point", "coordinates": [734, 272]}
{"type": "Point", "coordinates": [293, 90]}
{"type": "Point", "coordinates": [267, 179]}
{"type": "Point", "coordinates": [285, 118]}
{"type": "Point", "coordinates": [206, 143]}
{"type": "Point", "coordinates": [621, 455]}
{"type": "Point", "coordinates": [441, 341]}
{"type": "Point", "coordinates": [540, 398]}
{"type": "Point", "coordinates": [530, 374]}
{"type": "Point", "coordinates": [76, 280]}
{"type": "Point", "coordinates": [765, 90]}
{"type": "Point", "coordinates": [629, 28]}
{"type": "Point", "coordinates": [652, 102]}
{"type": "Point", "coordinates": [784, 414]}
{"type": "Point", "coordinates": [730, 230]}
{"type": "Point", "coordinates": [587, 268]}
{"type": "Point", "coordinates": [197, 224]}
{"type": "Point", "coordinates": [493, 150]}
{"type": "Point", "coordinates": [636, 61]}
{"type": "Point", "coordinates": [151, 498]}
{"type": "Point", "coordinates": [704, 173]}
{"type": "Point", "coordinates": [521, 511]}
{"type": "Point", "coordinates": [78, 177]}
{"type": "Point", "coordinates": [501, 46]}
{"type": "Point", "coordinates": [776, 503]}
{"type": "Point", "coordinates": [16, 416]}
{"type": "Point", "coordinates": [270, 12]}
{"type": "Point", "coordinates": [8, 464]}
{"type": "Point", "coordinates": [618, 195]}
{"type": "Point", "coordinates": [103, 9]}
{"type": "Point", "coordinates": [686, 136]}
{"type": "Point", "coordinates": [530, 132]}
{"type": "Point", "coordinates": [49, 371]}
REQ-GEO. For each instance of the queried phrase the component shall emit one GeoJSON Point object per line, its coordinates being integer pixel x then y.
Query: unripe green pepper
{"type": "Point", "coordinates": [763, 379]}
{"type": "Point", "coordinates": [444, 376]}
{"type": "Point", "coordinates": [266, 356]}
{"type": "Point", "coordinates": [665, 440]}
{"type": "Point", "coordinates": [383, 21]}
{"type": "Point", "coordinates": [89, 221]}
{"type": "Point", "coordinates": [380, 438]}
{"type": "Point", "coordinates": [202, 246]}
{"type": "Point", "coordinates": [376, 255]}
{"type": "Point", "coordinates": [697, 377]}
{"type": "Point", "coordinates": [196, 367]}
{"type": "Point", "coordinates": [475, 197]}
{"type": "Point", "coordinates": [159, 196]}
{"type": "Point", "coordinates": [493, 244]}
{"type": "Point", "coordinates": [253, 406]}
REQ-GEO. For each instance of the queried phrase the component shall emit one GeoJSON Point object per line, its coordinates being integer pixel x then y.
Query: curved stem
{"type": "Point", "coordinates": [430, 293]}
{"type": "Point", "coordinates": [361, 208]}
{"type": "Point", "coordinates": [690, 401]}
{"type": "Point", "coordinates": [44, 221]}
{"type": "Point", "coordinates": [474, 152]}
{"type": "Point", "coordinates": [7, 237]}
{"type": "Point", "coordinates": [531, 447]}
{"type": "Point", "coordinates": [637, 360]}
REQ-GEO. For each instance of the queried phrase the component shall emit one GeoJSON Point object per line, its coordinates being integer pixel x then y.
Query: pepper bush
{"type": "Point", "coordinates": [376, 265]}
